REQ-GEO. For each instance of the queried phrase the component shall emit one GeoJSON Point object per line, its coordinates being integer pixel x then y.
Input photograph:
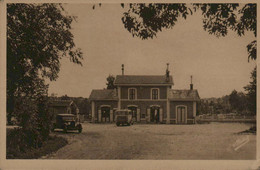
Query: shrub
{"type": "Point", "coordinates": [18, 145]}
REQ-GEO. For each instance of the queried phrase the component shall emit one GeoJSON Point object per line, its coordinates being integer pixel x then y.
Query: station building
{"type": "Point", "coordinates": [151, 99]}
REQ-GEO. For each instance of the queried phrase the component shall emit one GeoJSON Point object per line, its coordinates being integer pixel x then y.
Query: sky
{"type": "Point", "coordinates": [218, 65]}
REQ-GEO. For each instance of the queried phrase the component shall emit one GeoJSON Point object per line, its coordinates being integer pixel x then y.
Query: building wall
{"type": "Point", "coordinates": [144, 105]}
{"type": "Point", "coordinates": [143, 92]}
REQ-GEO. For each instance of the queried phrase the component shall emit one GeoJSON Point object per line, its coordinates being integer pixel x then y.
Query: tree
{"type": "Point", "coordinates": [38, 36]}
{"type": "Point", "coordinates": [233, 100]}
{"type": "Point", "coordinates": [226, 105]}
{"type": "Point", "coordinates": [110, 82]}
{"type": "Point", "coordinates": [251, 92]}
{"type": "Point", "coordinates": [32, 114]}
{"type": "Point", "coordinates": [243, 103]}
{"type": "Point", "coordinates": [146, 20]}
{"type": "Point", "coordinates": [238, 101]}
{"type": "Point", "coordinates": [84, 106]}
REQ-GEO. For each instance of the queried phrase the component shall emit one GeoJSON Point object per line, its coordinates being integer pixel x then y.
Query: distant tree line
{"type": "Point", "coordinates": [235, 102]}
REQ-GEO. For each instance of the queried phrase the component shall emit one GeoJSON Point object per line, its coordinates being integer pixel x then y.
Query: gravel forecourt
{"type": "Point", "coordinates": [158, 141]}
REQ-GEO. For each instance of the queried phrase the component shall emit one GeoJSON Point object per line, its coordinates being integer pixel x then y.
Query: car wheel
{"type": "Point", "coordinates": [65, 129]}
{"type": "Point", "coordinates": [80, 130]}
{"type": "Point", "coordinates": [117, 124]}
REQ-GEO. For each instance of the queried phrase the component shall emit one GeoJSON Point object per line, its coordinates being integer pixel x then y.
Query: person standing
{"type": "Point", "coordinates": [155, 115]}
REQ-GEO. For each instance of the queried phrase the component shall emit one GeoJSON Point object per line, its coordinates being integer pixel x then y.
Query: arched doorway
{"type": "Point", "coordinates": [181, 114]}
{"type": "Point", "coordinates": [105, 114]}
{"type": "Point", "coordinates": [155, 114]}
{"type": "Point", "coordinates": [133, 111]}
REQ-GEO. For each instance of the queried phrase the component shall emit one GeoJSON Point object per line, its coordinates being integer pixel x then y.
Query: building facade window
{"type": "Point", "coordinates": [132, 93]}
{"type": "Point", "coordinates": [154, 94]}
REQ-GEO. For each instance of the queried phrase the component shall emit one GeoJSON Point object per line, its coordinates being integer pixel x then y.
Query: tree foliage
{"type": "Point", "coordinates": [251, 92]}
{"type": "Point", "coordinates": [38, 36]}
{"type": "Point", "coordinates": [146, 20]}
{"type": "Point", "coordinates": [238, 101]}
{"type": "Point", "coordinates": [110, 82]}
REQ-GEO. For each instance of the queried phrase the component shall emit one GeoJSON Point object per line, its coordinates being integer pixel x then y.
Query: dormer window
{"type": "Point", "coordinates": [132, 93]}
{"type": "Point", "coordinates": [155, 94]}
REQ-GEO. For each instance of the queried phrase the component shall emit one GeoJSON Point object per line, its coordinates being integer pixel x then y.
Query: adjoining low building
{"type": "Point", "coordinates": [103, 105]}
{"type": "Point", "coordinates": [150, 98]}
{"type": "Point", "coordinates": [183, 105]}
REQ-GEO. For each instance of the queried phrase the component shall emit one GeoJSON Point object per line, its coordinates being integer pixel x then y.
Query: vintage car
{"type": "Point", "coordinates": [123, 117]}
{"type": "Point", "coordinates": [67, 122]}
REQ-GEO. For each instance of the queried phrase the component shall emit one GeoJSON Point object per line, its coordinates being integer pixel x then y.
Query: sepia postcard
{"type": "Point", "coordinates": [129, 85]}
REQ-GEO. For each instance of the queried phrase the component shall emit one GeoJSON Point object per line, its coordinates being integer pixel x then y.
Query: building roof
{"type": "Point", "coordinates": [105, 94]}
{"type": "Point", "coordinates": [184, 95]}
{"type": "Point", "coordinates": [64, 103]}
{"type": "Point", "coordinates": [145, 79]}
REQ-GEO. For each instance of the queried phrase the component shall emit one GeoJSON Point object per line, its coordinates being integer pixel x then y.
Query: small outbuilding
{"type": "Point", "coordinates": [63, 106]}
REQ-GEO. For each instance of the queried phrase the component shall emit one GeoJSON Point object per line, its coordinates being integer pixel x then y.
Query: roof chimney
{"type": "Point", "coordinates": [123, 69]}
{"type": "Point", "coordinates": [191, 85]}
{"type": "Point", "coordinates": [167, 73]}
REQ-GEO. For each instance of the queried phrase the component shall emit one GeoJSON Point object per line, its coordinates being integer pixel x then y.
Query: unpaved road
{"type": "Point", "coordinates": [142, 141]}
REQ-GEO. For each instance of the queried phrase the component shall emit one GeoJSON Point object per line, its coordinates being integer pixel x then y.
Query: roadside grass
{"type": "Point", "coordinates": [52, 144]}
